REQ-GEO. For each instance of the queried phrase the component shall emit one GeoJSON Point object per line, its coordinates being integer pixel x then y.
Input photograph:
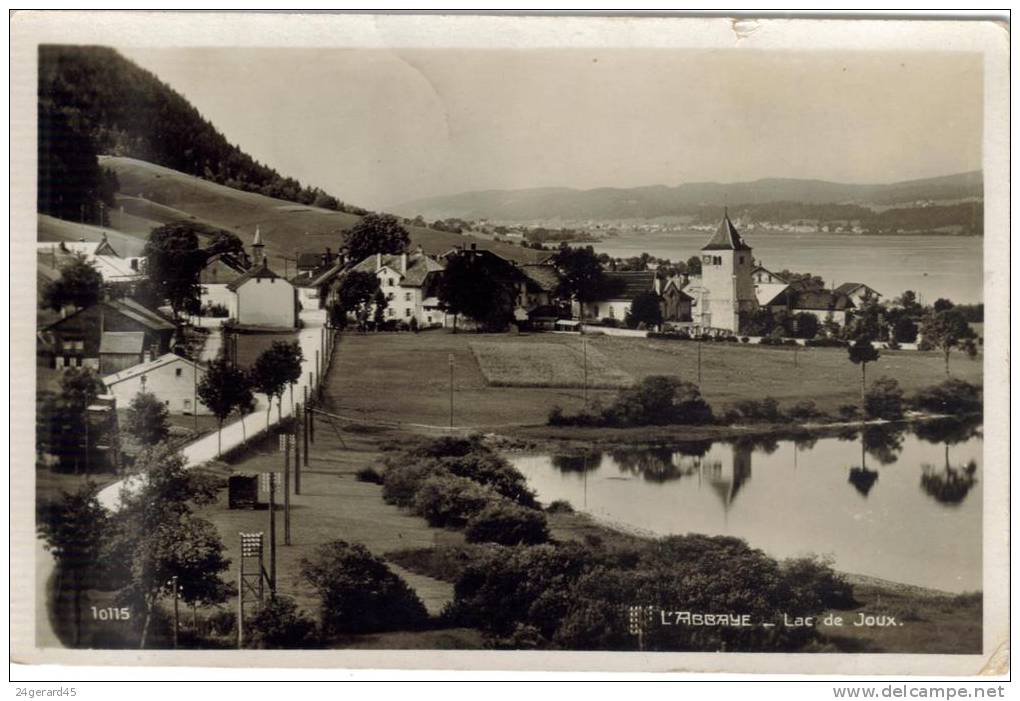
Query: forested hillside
{"type": "Point", "coordinates": [94, 101]}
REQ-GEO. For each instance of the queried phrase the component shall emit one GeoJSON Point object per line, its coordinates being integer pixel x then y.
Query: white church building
{"type": "Point", "coordinates": [726, 289]}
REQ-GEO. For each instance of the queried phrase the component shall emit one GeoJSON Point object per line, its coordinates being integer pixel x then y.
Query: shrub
{"type": "Point", "coordinates": [491, 470]}
{"type": "Point", "coordinates": [449, 500]}
{"type": "Point", "coordinates": [560, 506]}
{"type": "Point", "coordinates": [950, 397]}
{"type": "Point", "coordinates": [215, 311]}
{"type": "Point", "coordinates": [849, 412]}
{"type": "Point", "coordinates": [804, 410]}
{"type": "Point", "coordinates": [358, 593]}
{"type": "Point", "coordinates": [609, 322]}
{"type": "Point", "coordinates": [556, 417]}
{"type": "Point", "coordinates": [884, 400]}
{"type": "Point", "coordinates": [401, 481]}
{"type": "Point", "coordinates": [506, 523]}
{"type": "Point", "coordinates": [815, 585]}
{"type": "Point", "coordinates": [745, 339]}
{"type": "Point", "coordinates": [763, 410]}
{"type": "Point", "coordinates": [223, 622]}
{"type": "Point", "coordinates": [658, 400]}
{"type": "Point", "coordinates": [368, 474]}
{"type": "Point", "coordinates": [280, 625]}
{"type": "Point", "coordinates": [825, 343]}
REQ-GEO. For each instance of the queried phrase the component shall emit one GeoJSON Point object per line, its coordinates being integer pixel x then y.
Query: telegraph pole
{"type": "Point", "coordinates": [584, 349]}
{"type": "Point", "coordinates": [305, 416]}
{"type": "Point", "coordinates": [699, 361]}
{"type": "Point", "coordinates": [286, 488]}
{"type": "Point", "coordinates": [450, 360]}
{"type": "Point", "coordinates": [272, 531]}
{"type": "Point", "coordinates": [298, 433]}
{"type": "Point", "coordinates": [177, 627]}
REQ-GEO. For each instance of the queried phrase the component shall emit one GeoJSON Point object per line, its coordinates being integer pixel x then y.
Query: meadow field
{"type": "Point", "coordinates": [512, 364]}
{"type": "Point", "coordinates": [404, 377]}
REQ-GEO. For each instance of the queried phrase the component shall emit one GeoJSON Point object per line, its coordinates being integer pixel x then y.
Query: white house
{"type": "Point", "coordinates": [219, 271]}
{"type": "Point", "coordinates": [408, 281]}
{"type": "Point", "coordinates": [727, 284]}
{"type": "Point", "coordinates": [171, 378]}
{"type": "Point", "coordinates": [261, 297]}
{"type": "Point", "coordinates": [100, 254]}
{"type": "Point", "coordinates": [625, 286]}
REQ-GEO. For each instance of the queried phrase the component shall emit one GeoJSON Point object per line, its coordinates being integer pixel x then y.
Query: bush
{"type": "Point", "coordinates": [449, 500]}
{"type": "Point", "coordinates": [804, 410]}
{"type": "Point", "coordinates": [506, 523]}
{"type": "Point", "coordinates": [560, 506]}
{"type": "Point", "coordinates": [368, 474]}
{"type": "Point", "coordinates": [849, 412]}
{"type": "Point", "coordinates": [280, 625]}
{"type": "Point", "coordinates": [215, 311]}
{"type": "Point", "coordinates": [825, 343]}
{"type": "Point", "coordinates": [817, 585]}
{"type": "Point", "coordinates": [358, 593]}
{"type": "Point", "coordinates": [659, 400]}
{"type": "Point", "coordinates": [951, 397]}
{"type": "Point", "coordinates": [758, 410]}
{"type": "Point", "coordinates": [401, 481]}
{"type": "Point", "coordinates": [609, 322]}
{"type": "Point", "coordinates": [491, 470]}
{"type": "Point", "coordinates": [222, 622]}
{"type": "Point", "coordinates": [884, 400]}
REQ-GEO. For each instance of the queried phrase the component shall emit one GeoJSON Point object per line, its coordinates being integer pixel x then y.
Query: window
{"type": "Point", "coordinates": [407, 296]}
{"type": "Point", "coordinates": [407, 311]}
{"type": "Point", "coordinates": [389, 311]}
{"type": "Point", "coordinates": [740, 259]}
{"type": "Point", "coordinates": [390, 282]}
{"type": "Point", "coordinates": [717, 260]}
{"type": "Point", "coordinates": [178, 372]}
{"type": "Point", "coordinates": [389, 296]}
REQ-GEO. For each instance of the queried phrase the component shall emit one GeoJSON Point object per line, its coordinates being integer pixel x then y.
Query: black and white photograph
{"type": "Point", "coordinates": [359, 339]}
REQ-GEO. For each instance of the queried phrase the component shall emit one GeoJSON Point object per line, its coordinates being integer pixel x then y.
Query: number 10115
{"type": "Point", "coordinates": [111, 614]}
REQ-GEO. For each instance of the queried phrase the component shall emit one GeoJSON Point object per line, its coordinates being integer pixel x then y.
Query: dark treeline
{"type": "Point", "coordinates": [92, 100]}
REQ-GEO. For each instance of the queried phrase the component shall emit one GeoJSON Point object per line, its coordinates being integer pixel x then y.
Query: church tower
{"type": "Point", "coordinates": [258, 250]}
{"type": "Point", "coordinates": [726, 266]}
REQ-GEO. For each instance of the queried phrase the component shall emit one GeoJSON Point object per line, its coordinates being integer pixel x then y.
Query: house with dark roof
{"type": "Point", "coordinates": [677, 304]}
{"type": "Point", "coordinates": [761, 275]}
{"type": "Point", "coordinates": [622, 286]}
{"type": "Point", "coordinates": [220, 270]}
{"type": "Point", "coordinates": [410, 282]}
{"type": "Point", "coordinates": [824, 304]}
{"type": "Point", "coordinates": [859, 292]}
{"type": "Point", "coordinates": [121, 349]}
{"type": "Point", "coordinates": [75, 340]}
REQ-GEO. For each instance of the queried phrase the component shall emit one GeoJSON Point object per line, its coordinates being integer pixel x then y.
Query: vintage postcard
{"type": "Point", "coordinates": [479, 342]}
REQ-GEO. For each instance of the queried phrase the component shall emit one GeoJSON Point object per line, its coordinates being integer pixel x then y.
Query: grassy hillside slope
{"type": "Point", "coordinates": [151, 193]}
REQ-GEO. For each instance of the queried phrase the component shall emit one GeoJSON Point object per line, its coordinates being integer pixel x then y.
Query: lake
{"type": "Point", "coordinates": [933, 266]}
{"type": "Point", "coordinates": [900, 505]}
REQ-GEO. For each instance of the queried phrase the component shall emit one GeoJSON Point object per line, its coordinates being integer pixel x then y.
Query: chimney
{"type": "Point", "coordinates": [474, 246]}
{"type": "Point", "coordinates": [329, 256]}
{"type": "Point", "coordinates": [378, 262]}
{"type": "Point", "coordinates": [134, 264]}
{"type": "Point", "coordinates": [403, 263]}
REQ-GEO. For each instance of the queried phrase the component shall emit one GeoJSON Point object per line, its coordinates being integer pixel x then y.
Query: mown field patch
{"type": "Point", "coordinates": [546, 365]}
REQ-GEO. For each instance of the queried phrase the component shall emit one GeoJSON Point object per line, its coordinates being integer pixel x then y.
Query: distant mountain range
{"type": "Point", "coordinates": [551, 203]}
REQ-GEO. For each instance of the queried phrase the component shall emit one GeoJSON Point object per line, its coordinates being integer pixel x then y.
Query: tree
{"type": "Point", "coordinates": [645, 309]}
{"type": "Point", "coordinates": [147, 419]}
{"type": "Point", "coordinates": [947, 330]}
{"type": "Point", "coordinates": [74, 530]}
{"type": "Point", "coordinates": [581, 274]}
{"type": "Point", "coordinates": [63, 418]}
{"type": "Point", "coordinates": [904, 330]}
{"type": "Point", "coordinates": [884, 400]}
{"type": "Point", "coordinates": [908, 303]}
{"type": "Point", "coordinates": [173, 263]}
{"type": "Point", "coordinates": [479, 286]}
{"type": "Point", "coordinates": [358, 593]}
{"type": "Point", "coordinates": [379, 305]}
{"type": "Point", "coordinates": [224, 389]}
{"type": "Point", "coordinates": [805, 325]}
{"type": "Point", "coordinates": [277, 367]}
{"type": "Point", "coordinates": [354, 292]}
{"type": "Point", "coordinates": [80, 285]}
{"type": "Point", "coordinates": [157, 540]}
{"type": "Point", "coordinates": [941, 304]}
{"type": "Point", "coordinates": [375, 233]}
{"type": "Point", "coordinates": [861, 352]}
{"type": "Point", "coordinates": [694, 266]}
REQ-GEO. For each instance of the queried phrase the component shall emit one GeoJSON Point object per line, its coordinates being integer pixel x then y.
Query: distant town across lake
{"type": "Point", "coordinates": [933, 266]}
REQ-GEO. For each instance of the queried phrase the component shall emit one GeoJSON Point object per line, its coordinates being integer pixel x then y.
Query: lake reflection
{"type": "Point", "coordinates": [902, 505]}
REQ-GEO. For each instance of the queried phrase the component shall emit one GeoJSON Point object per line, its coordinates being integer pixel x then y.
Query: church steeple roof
{"type": "Point", "coordinates": [726, 238]}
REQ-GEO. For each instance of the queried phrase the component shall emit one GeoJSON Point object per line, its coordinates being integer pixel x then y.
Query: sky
{"type": "Point", "coordinates": [378, 127]}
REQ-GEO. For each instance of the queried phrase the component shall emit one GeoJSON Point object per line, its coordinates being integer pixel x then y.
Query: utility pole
{"type": "Point", "coordinates": [177, 627]}
{"type": "Point", "coordinates": [304, 433]}
{"type": "Point", "coordinates": [194, 394]}
{"type": "Point", "coordinates": [286, 488]}
{"type": "Point", "coordinates": [449, 359]}
{"type": "Point", "coordinates": [699, 361]}
{"type": "Point", "coordinates": [584, 349]}
{"type": "Point", "coordinates": [299, 432]}
{"type": "Point", "coordinates": [272, 532]}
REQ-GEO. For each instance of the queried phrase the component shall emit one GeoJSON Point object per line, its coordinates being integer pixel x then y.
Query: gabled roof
{"type": "Point", "coordinates": [726, 238]}
{"type": "Point", "coordinates": [544, 278]}
{"type": "Point", "coordinates": [763, 269]}
{"type": "Point", "coordinates": [675, 284]}
{"type": "Point", "coordinates": [141, 368]}
{"type": "Point", "coordinates": [260, 272]}
{"type": "Point", "coordinates": [821, 300]}
{"type": "Point", "coordinates": [628, 284]}
{"type": "Point", "coordinates": [848, 288]}
{"type": "Point", "coordinates": [221, 268]}
{"type": "Point", "coordinates": [122, 342]}
{"type": "Point", "coordinates": [419, 266]}
{"type": "Point", "coordinates": [767, 292]}
{"type": "Point", "coordinates": [143, 315]}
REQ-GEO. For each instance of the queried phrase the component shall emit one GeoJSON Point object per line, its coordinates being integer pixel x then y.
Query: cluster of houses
{"type": "Point", "coordinates": [129, 345]}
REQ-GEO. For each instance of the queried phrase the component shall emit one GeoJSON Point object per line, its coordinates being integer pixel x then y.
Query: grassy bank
{"type": "Point", "coordinates": [404, 378]}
